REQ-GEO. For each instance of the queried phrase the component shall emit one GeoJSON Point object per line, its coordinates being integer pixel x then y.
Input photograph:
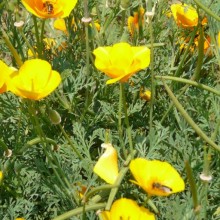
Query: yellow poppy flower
{"type": "Point", "coordinates": [185, 16]}
{"type": "Point", "coordinates": [20, 219]}
{"type": "Point", "coordinates": [156, 177]}
{"type": "Point", "coordinates": [145, 94]}
{"type": "Point", "coordinates": [1, 176]}
{"type": "Point", "coordinates": [121, 61]}
{"type": "Point", "coordinates": [107, 165]}
{"type": "Point", "coordinates": [135, 21]}
{"type": "Point", "coordinates": [34, 80]}
{"type": "Point", "coordinates": [207, 43]}
{"type": "Point", "coordinates": [50, 8]}
{"type": "Point", "coordinates": [60, 24]}
{"type": "Point", "coordinates": [97, 25]}
{"type": "Point", "coordinates": [124, 209]}
{"type": "Point", "coordinates": [5, 72]}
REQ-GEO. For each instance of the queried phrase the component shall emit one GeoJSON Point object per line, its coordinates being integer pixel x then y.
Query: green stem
{"type": "Point", "coordinates": [197, 72]}
{"type": "Point", "coordinates": [193, 34]}
{"type": "Point", "coordinates": [192, 187]}
{"type": "Point", "coordinates": [208, 11]}
{"type": "Point", "coordinates": [70, 142]}
{"type": "Point", "coordinates": [34, 142]}
{"type": "Point", "coordinates": [155, 45]}
{"type": "Point", "coordinates": [63, 100]}
{"type": "Point", "coordinates": [189, 119]}
{"type": "Point", "coordinates": [152, 72]}
{"type": "Point", "coordinates": [27, 42]}
{"type": "Point", "coordinates": [37, 35]}
{"type": "Point", "coordinates": [122, 22]}
{"type": "Point", "coordinates": [97, 189]}
{"type": "Point", "coordinates": [11, 48]}
{"type": "Point", "coordinates": [80, 210]}
{"type": "Point", "coordinates": [63, 180]}
{"type": "Point", "coordinates": [206, 170]}
{"type": "Point", "coordinates": [3, 145]}
{"type": "Point", "coordinates": [120, 133]}
{"type": "Point", "coordinates": [126, 119]}
{"type": "Point", "coordinates": [42, 33]}
{"type": "Point", "coordinates": [118, 181]}
{"type": "Point", "coordinates": [86, 16]}
{"type": "Point", "coordinates": [190, 82]}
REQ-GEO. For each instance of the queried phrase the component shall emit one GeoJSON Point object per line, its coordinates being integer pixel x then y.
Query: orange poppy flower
{"type": "Point", "coordinates": [135, 21]}
{"type": "Point", "coordinates": [50, 8]}
{"type": "Point", "coordinates": [185, 16]}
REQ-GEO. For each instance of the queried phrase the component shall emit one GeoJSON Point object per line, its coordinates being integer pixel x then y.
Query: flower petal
{"type": "Point", "coordinates": [49, 9]}
{"type": "Point", "coordinates": [127, 209]}
{"type": "Point", "coordinates": [156, 177]}
{"type": "Point", "coordinates": [5, 73]}
{"type": "Point", "coordinates": [121, 61]}
{"type": "Point", "coordinates": [34, 80]}
{"type": "Point", "coordinates": [107, 165]}
{"type": "Point", "coordinates": [184, 15]}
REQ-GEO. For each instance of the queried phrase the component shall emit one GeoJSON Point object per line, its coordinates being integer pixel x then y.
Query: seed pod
{"type": "Point", "coordinates": [54, 117]}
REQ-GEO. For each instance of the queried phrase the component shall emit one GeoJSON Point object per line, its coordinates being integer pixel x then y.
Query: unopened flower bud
{"type": "Point", "coordinates": [54, 117]}
{"type": "Point", "coordinates": [125, 4]}
{"type": "Point", "coordinates": [1, 176]}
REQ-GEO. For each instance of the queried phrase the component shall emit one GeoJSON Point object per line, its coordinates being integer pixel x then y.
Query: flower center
{"type": "Point", "coordinates": [162, 188]}
{"type": "Point", "coordinates": [48, 7]}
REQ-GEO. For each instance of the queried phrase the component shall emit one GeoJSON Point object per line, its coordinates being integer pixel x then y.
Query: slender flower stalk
{"type": "Point", "coordinates": [193, 188]}
{"type": "Point", "coordinates": [127, 120]}
{"type": "Point", "coordinates": [120, 132]}
{"type": "Point", "coordinates": [190, 82]}
{"type": "Point", "coordinates": [49, 154]}
{"type": "Point", "coordinates": [207, 10]}
{"type": "Point", "coordinates": [70, 142]}
{"type": "Point", "coordinates": [190, 120]}
{"type": "Point", "coordinates": [11, 48]}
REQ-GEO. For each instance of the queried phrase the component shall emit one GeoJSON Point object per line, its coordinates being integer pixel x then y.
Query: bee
{"type": "Point", "coordinates": [163, 188]}
{"type": "Point", "coordinates": [49, 7]}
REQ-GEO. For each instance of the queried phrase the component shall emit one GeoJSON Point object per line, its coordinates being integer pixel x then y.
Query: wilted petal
{"type": "Point", "coordinates": [107, 165]}
{"type": "Point", "coordinates": [6, 71]}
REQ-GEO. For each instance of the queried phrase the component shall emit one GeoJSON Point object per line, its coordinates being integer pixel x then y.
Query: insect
{"type": "Point", "coordinates": [49, 7]}
{"type": "Point", "coordinates": [163, 188]}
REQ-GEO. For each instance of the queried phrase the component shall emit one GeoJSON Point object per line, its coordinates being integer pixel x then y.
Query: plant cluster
{"type": "Point", "coordinates": [110, 109]}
